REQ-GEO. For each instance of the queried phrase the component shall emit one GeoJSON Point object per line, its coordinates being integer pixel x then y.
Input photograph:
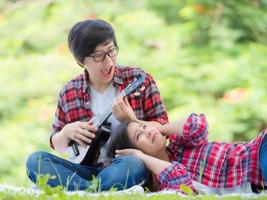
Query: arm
{"type": "Point", "coordinates": [170, 175]}
{"type": "Point", "coordinates": [149, 104]}
{"type": "Point", "coordinates": [59, 141]}
{"type": "Point", "coordinates": [153, 164]}
{"type": "Point", "coordinates": [63, 132]}
{"type": "Point", "coordinates": [80, 132]}
{"type": "Point", "coordinates": [173, 128]}
{"type": "Point", "coordinates": [153, 107]}
{"type": "Point", "coordinates": [192, 131]}
{"type": "Point", "coordinates": [123, 111]}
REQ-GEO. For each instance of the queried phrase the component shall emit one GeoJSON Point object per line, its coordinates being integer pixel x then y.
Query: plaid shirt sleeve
{"type": "Point", "coordinates": [59, 121]}
{"type": "Point", "coordinates": [174, 176]}
{"type": "Point", "coordinates": [195, 131]}
{"type": "Point", "coordinates": [153, 106]}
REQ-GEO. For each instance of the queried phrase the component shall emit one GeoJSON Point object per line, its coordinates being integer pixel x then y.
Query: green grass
{"type": "Point", "coordinates": [7, 195]}
{"type": "Point", "coordinates": [46, 192]}
{"type": "Point", "coordinates": [57, 193]}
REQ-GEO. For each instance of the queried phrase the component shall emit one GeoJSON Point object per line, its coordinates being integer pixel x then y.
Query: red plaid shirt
{"type": "Point", "coordinates": [74, 99]}
{"type": "Point", "coordinates": [214, 164]}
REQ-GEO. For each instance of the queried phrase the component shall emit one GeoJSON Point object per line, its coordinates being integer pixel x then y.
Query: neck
{"type": "Point", "coordinates": [163, 155]}
{"type": "Point", "coordinates": [99, 87]}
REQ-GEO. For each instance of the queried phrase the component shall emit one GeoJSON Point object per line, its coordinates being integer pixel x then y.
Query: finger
{"type": "Point", "coordinates": [92, 128]}
{"type": "Point", "coordinates": [122, 151]}
{"type": "Point", "coordinates": [87, 133]}
{"type": "Point", "coordinates": [122, 106]}
{"type": "Point", "coordinates": [88, 126]}
{"type": "Point", "coordinates": [116, 101]}
{"type": "Point", "coordinates": [118, 155]}
{"type": "Point", "coordinates": [116, 110]}
{"type": "Point", "coordinates": [126, 101]}
{"type": "Point", "coordinates": [83, 125]}
{"type": "Point", "coordinates": [80, 142]}
{"type": "Point", "coordinates": [160, 128]}
{"type": "Point", "coordinates": [84, 139]}
{"type": "Point", "coordinates": [119, 100]}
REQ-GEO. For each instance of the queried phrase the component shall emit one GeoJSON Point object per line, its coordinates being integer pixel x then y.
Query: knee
{"type": "Point", "coordinates": [124, 172]}
{"type": "Point", "coordinates": [134, 165]}
{"type": "Point", "coordinates": [263, 158]}
{"type": "Point", "coordinates": [33, 162]}
{"type": "Point", "coordinates": [131, 161]}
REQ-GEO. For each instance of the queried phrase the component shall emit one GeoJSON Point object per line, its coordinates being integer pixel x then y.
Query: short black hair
{"type": "Point", "coordinates": [84, 37]}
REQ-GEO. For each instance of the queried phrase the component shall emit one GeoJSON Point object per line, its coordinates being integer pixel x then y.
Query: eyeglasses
{"type": "Point", "coordinates": [101, 56]}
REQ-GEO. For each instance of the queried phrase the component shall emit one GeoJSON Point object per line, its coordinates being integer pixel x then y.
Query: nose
{"type": "Point", "coordinates": [147, 134]}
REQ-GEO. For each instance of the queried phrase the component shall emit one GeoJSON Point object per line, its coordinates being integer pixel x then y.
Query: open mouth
{"type": "Point", "coordinates": [107, 72]}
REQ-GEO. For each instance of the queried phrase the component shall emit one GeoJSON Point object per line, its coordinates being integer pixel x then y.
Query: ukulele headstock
{"type": "Point", "coordinates": [136, 85]}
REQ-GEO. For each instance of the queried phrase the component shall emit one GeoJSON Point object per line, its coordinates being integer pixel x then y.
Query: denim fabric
{"type": "Point", "coordinates": [124, 172]}
{"type": "Point", "coordinates": [263, 158]}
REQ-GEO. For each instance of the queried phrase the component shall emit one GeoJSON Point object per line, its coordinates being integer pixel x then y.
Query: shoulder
{"type": "Point", "coordinates": [73, 85]}
{"type": "Point", "coordinates": [126, 72]}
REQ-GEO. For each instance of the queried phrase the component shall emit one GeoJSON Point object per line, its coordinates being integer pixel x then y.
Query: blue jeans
{"type": "Point", "coordinates": [122, 173]}
{"type": "Point", "coordinates": [263, 158]}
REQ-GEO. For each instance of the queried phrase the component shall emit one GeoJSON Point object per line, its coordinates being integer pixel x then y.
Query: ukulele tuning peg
{"type": "Point", "coordinates": [137, 94]}
{"type": "Point", "coordinates": [142, 88]}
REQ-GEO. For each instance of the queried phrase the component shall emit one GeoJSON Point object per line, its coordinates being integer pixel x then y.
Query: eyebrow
{"type": "Point", "coordinates": [101, 51]}
{"type": "Point", "coordinates": [106, 43]}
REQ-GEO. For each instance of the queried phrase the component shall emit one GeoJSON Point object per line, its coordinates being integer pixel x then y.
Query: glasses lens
{"type": "Point", "coordinates": [112, 52]}
{"type": "Point", "coordinates": [99, 57]}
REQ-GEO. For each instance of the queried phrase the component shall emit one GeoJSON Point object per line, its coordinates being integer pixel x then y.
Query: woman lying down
{"type": "Point", "coordinates": [191, 161]}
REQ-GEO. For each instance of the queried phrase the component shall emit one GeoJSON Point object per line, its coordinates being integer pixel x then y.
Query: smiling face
{"type": "Point", "coordinates": [101, 73]}
{"type": "Point", "coordinates": [147, 139]}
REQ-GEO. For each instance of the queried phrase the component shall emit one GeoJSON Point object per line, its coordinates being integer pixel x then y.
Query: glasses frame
{"type": "Point", "coordinates": [116, 48]}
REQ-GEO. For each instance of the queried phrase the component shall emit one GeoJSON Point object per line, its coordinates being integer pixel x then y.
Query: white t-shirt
{"type": "Point", "coordinates": [101, 105]}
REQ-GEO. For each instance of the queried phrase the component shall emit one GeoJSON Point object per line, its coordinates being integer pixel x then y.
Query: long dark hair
{"type": "Point", "coordinates": [120, 140]}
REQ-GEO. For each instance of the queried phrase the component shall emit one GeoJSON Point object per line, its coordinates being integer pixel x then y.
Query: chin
{"type": "Point", "coordinates": [107, 79]}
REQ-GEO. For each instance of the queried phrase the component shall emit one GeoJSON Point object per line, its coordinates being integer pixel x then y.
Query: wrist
{"type": "Point", "coordinates": [133, 119]}
{"type": "Point", "coordinates": [137, 121]}
{"type": "Point", "coordinates": [141, 155]}
{"type": "Point", "coordinates": [63, 132]}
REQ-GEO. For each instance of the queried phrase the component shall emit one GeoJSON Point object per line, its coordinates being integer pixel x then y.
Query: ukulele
{"type": "Point", "coordinates": [87, 155]}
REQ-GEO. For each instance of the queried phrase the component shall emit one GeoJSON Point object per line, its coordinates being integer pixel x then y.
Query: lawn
{"type": "Point", "coordinates": [53, 194]}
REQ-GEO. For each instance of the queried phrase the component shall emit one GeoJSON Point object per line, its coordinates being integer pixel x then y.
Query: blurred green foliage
{"type": "Point", "coordinates": [207, 57]}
